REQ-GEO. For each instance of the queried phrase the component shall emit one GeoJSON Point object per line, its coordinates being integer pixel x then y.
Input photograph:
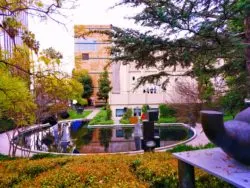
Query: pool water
{"type": "Point", "coordinates": [77, 137]}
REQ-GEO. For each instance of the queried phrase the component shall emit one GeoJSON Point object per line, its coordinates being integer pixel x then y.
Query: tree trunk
{"type": "Point", "coordinates": [247, 52]}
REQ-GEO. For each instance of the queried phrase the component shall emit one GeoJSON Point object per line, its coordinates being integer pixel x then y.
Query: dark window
{"type": "Point", "coordinates": [85, 56]}
{"type": "Point", "coordinates": [119, 112]}
{"type": "Point", "coordinates": [151, 90]}
{"type": "Point", "coordinates": [133, 78]}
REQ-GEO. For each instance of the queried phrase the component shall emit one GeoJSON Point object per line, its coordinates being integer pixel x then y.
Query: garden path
{"type": "Point", "coordinates": [201, 138]}
{"type": "Point", "coordinates": [93, 113]}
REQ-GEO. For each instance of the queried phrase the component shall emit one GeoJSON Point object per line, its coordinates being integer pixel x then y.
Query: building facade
{"type": "Point", "coordinates": [6, 43]}
{"type": "Point", "coordinates": [124, 95]}
{"type": "Point", "coordinates": [92, 53]}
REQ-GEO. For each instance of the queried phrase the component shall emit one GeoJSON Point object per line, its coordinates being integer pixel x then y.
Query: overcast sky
{"type": "Point", "coordinates": [51, 34]}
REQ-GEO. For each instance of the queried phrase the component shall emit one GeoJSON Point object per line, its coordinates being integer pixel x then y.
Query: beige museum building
{"type": "Point", "coordinates": [91, 53]}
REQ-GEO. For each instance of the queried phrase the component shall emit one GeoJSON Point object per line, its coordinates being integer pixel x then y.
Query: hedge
{"type": "Point", "coordinates": [147, 170]}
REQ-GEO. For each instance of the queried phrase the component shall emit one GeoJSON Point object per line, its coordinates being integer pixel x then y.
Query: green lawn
{"type": "Point", "coordinates": [167, 120]}
{"type": "Point", "coordinates": [100, 119]}
{"type": "Point", "coordinates": [74, 115]}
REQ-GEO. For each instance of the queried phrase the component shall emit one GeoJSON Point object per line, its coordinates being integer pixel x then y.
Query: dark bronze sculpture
{"type": "Point", "coordinates": [232, 136]}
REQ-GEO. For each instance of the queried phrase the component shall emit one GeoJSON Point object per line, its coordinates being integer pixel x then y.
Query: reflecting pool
{"type": "Point", "coordinates": [77, 137]}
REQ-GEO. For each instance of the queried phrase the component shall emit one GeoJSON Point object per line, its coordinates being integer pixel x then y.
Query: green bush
{"type": "Point", "coordinates": [126, 116]}
{"type": "Point", "coordinates": [232, 102]}
{"type": "Point", "coordinates": [166, 111]}
{"type": "Point", "coordinates": [5, 157]}
{"type": "Point", "coordinates": [124, 121]}
{"type": "Point", "coordinates": [145, 108]}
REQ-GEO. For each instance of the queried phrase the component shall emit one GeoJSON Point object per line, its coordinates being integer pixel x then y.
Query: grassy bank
{"type": "Point", "coordinates": [74, 115]}
{"type": "Point", "coordinates": [101, 119]}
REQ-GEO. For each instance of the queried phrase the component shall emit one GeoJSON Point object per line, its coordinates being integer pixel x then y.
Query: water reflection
{"type": "Point", "coordinates": [105, 136]}
{"type": "Point", "coordinates": [75, 137]}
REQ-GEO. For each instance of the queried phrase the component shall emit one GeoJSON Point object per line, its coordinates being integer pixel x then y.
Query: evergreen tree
{"type": "Point", "coordinates": [86, 80]}
{"type": "Point", "coordinates": [187, 33]}
{"type": "Point", "coordinates": [104, 86]}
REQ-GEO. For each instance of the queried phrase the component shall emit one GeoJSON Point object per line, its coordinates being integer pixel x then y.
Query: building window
{"type": "Point", "coordinates": [119, 133]}
{"type": "Point", "coordinates": [137, 112]}
{"type": "Point", "coordinates": [133, 78]}
{"type": "Point", "coordinates": [82, 45]}
{"type": "Point", "coordinates": [119, 112]}
{"type": "Point", "coordinates": [85, 56]}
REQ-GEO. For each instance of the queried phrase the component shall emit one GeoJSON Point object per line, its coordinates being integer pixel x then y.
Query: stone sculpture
{"type": "Point", "coordinates": [232, 136]}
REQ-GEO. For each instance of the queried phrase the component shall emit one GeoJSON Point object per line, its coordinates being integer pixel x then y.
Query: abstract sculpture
{"type": "Point", "coordinates": [232, 136]}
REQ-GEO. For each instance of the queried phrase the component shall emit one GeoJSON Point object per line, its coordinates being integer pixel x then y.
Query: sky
{"type": "Point", "coordinates": [60, 37]}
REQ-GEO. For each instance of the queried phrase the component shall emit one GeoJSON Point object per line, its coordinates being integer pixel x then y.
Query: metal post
{"type": "Point", "coordinates": [186, 175]}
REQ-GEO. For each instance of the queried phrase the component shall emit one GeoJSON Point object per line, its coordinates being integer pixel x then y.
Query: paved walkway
{"type": "Point", "coordinates": [5, 144]}
{"type": "Point", "coordinates": [93, 113]}
{"type": "Point", "coordinates": [201, 138]}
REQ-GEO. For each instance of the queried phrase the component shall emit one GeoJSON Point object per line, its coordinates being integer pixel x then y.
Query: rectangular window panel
{"type": "Point", "coordinates": [119, 112]}
{"type": "Point", "coordinates": [85, 45]}
{"type": "Point", "coordinates": [137, 112]}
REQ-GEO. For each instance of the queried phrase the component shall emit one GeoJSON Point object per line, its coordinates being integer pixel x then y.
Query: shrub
{"type": "Point", "coordinates": [184, 147]}
{"type": "Point", "coordinates": [166, 111]}
{"type": "Point", "coordinates": [5, 157]}
{"type": "Point", "coordinates": [147, 170]}
{"type": "Point", "coordinates": [145, 108]}
{"type": "Point", "coordinates": [124, 121]}
{"type": "Point", "coordinates": [44, 155]}
{"type": "Point", "coordinates": [127, 114]}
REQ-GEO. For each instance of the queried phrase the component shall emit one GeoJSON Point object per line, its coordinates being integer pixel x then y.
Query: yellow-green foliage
{"type": "Point", "coordinates": [16, 102]}
{"type": "Point", "coordinates": [147, 170]}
